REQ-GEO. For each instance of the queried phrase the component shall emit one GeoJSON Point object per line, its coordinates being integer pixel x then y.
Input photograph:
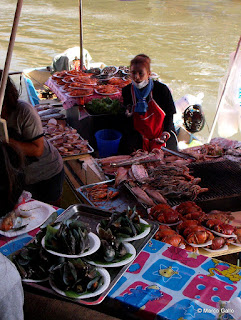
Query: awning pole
{"type": "Point", "coordinates": [81, 34]}
{"type": "Point", "coordinates": [222, 95]}
{"type": "Point", "coordinates": [3, 126]}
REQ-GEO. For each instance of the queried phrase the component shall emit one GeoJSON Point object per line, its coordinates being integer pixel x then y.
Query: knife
{"type": "Point", "coordinates": [128, 163]}
{"type": "Point", "coordinates": [179, 154]}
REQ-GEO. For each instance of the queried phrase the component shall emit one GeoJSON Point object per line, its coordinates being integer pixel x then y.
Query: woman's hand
{"type": "Point", "coordinates": [163, 138]}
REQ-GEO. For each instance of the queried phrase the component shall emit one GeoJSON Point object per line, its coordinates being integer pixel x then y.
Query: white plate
{"type": "Point", "coordinates": [60, 77]}
{"type": "Point", "coordinates": [86, 95]}
{"type": "Point", "coordinates": [110, 68]}
{"type": "Point", "coordinates": [73, 75]}
{"type": "Point", "coordinates": [84, 83]}
{"type": "Point", "coordinates": [94, 246]}
{"type": "Point", "coordinates": [224, 248]}
{"type": "Point", "coordinates": [222, 235]}
{"type": "Point", "coordinates": [139, 236]}
{"type": "Point", "coordinates": [35, 281]}
{"type": "Point", "coordinates": [106, 277]}
{"type": "Point", "coordinates": [67, 81]}
{"type": "Point", "coordinates": [201, 245]}
{"type": "Point", "coordinates": [79, 88]}
{"type": "Point", "coordinates": [166, 224]}
{"type": "Point", "coordinates": [130, 249]}
{"type": "Point", "coordinates": [106, 94]}
{"type": "Point", "coordinates": [170, 224]}
{"type": "Point", "coordinates": [38, 216]}
{"type": "Point", "coordinates": [236, 244]}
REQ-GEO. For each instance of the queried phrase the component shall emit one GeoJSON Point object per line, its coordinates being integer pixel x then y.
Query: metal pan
{"type": "Point", "coordinates": [119, 203]}
{"type": "Point", "coordinates": [93, 216]}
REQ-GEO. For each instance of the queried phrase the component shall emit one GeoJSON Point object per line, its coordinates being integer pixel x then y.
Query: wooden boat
{"type": "Point", "coordinates": [36, 92]}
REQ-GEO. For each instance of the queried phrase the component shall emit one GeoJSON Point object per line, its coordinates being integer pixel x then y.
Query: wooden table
{"type": "Point", "coordinates": [82, 171]}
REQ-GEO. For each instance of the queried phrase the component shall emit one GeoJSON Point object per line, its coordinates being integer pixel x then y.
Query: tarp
{"type": "Point", "coordinates": [64, 60]}
{"type": "Point", "coordinates": [229, 119]}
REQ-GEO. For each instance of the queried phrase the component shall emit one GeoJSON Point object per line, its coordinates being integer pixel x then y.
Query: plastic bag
{"type": "Point", "coordinates": [229, 119]}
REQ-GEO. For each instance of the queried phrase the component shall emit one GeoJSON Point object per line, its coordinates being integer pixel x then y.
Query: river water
{"type": "Point", "coordinates": [189, 41]}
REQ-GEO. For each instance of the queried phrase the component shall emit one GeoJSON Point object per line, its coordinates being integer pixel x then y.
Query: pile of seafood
{"type": "Point", "coordinates": [16, 219]}
{"type": "Point", "coordinates": [125, 224]}
{"type": "Point", "coordinates": [152, 179]}
{"type": "Point", "coordinates": [217, 149]}
{"type": "Point", "coordinates": [76, 276]}
{"type": "Point", "coordinates": [33, 262]}
{"type": "Point", "coordinates": [65, 138]}
{"type": "Point", "coordinates": [111, 249]}
{"type": "Point", "coordinates": [46, 112]}
{"type": "Point", "coordinates": [101, 192]}
{"type": "Point", "coordinates": [71, 237]}
{"type": "Point", "coordinates": [109, 81]}
{"type": "Point", "coordinates": [187, 225]}
{"type": "Point", "coordinates": [110, 165]}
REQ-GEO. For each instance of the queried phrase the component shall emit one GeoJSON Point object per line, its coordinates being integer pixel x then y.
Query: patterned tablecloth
{"type": "Point", "coordinates": [69, 102]}
{"type": "Point", "coordinates": [165, 282]}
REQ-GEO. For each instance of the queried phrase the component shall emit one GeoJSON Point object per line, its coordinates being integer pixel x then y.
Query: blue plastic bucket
{"type": "Point", "coordinates": [107, 142]}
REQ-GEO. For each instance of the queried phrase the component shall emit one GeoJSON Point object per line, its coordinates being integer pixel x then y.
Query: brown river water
{"type": "Point", "coordinates": [189, 41]}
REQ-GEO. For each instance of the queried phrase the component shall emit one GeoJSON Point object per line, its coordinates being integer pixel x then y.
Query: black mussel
{"type": "Point", "coordinates": [69, 274]}
{"type": "Point", "coordinates": [94, 284]}
{"type": "Point", "coordinates": [123, 224]}
{"type": "Point", "coordinates": [71, 238]}
{"type": "Point", "coordinates": [108, 251]}
{"type": "Point", "coordinates": [76, 275]}
{"type": "Point", "coordinates": [121, 250]}
{"type": "Point", "coordinates": [106, 234]}
{"type": "Point", "coordinates": [33, 262]}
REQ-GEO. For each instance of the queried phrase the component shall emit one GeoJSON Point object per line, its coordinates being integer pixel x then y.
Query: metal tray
{"type": "Point", "coordinates": [119, 204]}
{"type": "Point", "coordinates": [90, 150]}
{"type": "Point", "coordinates": [93, 216]}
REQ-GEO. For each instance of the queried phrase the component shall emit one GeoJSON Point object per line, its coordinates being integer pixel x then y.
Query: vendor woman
{"type": "Point", "coordinates": [151, 107]}
{"type": "Point", "coordinates": [44, 170]}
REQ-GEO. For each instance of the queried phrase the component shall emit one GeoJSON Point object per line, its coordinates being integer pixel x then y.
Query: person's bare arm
{"type": "Point", "coordinates": [33, 149]}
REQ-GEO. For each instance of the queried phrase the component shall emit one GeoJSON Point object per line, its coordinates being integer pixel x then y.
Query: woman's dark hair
{"type": "Point", "coordinates": [11, 176]}
{"type": "Point", "coordinates": [142, 59]}
{"type": "Point", "coordinates": [11, 94]}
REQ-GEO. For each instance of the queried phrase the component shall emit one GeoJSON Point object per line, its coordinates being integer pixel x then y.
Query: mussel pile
{"type": "Point", "coordinates": [70, 238]}
{"type": "Point", "coordinates": [33, 262]}
{"type": "Point", "coordinates": [124, 224]}
{"type": "Point", "coordinates": [111, 249]}
{"type": "Point", "coordinates": [77, 276]}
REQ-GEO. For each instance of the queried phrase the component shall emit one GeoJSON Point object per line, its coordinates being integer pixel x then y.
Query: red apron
{"type": "Point", "coordinates": [150, 124]}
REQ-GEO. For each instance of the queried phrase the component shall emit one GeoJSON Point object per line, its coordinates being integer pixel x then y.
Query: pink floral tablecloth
{"type": "Point", "coordinates": [69, 102]}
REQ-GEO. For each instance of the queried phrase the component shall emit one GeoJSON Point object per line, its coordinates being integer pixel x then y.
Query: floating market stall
{"type": "Point", "coordinates": [147, 287]}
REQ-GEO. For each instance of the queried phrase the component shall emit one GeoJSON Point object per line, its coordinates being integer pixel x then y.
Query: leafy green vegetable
{"type": "Point", "coordinates": [104, 106]}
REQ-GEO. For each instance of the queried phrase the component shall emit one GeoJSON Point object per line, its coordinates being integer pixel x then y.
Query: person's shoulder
{"type": "Point", "coordinates": [126, 89]}
{"type": "Point", "coordinates": [160, 85]}
{"type": "Point", "coordinates": [26, 107]}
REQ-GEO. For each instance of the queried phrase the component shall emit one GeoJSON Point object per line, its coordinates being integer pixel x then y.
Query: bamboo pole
{"type": "Point", "coordinates": [223, 91]}
{"type": "Point", "coordinates": [3, 124]}
{"type": "Point", "coordinates": [81, 34]}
